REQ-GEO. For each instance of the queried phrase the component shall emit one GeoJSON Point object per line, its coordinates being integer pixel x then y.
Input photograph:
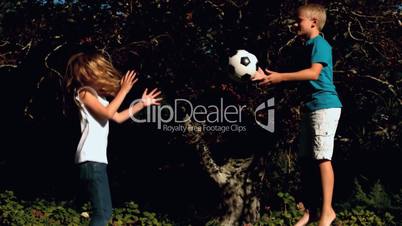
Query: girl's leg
{"type": "Point", "coordinates": [99, 192]}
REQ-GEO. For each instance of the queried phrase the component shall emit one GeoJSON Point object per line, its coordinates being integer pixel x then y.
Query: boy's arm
{"type": "Point", "coordinates": [311, 73]}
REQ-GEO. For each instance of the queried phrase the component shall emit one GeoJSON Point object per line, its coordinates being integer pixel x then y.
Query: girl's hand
{"type": "Point", "coordinates": [128, 80]}
{"type": "Point", "coordinates": [149, 99]}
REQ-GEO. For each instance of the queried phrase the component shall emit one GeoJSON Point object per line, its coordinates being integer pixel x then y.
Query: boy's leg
{"type": "Point", "coordinates": [309, 173]}
{"type": "Point", "coordinates": [310, 190]}
{"type": "Point", "coordinates": [327, 183]}
{"type": "Point", "coordinates": [325, 122]}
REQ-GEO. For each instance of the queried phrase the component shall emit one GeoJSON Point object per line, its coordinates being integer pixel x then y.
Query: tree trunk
{"type": "Point", "coordinates": [240, 181]}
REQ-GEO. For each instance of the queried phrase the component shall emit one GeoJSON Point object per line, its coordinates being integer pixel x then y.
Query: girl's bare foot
{"type": "Point", "coordinates": [327, 217]}
{"type": "Point", "coordinates": [304, 219]}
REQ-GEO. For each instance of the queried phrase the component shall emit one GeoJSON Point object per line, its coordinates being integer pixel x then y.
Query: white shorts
{"type": "Point", "coordinates": [317, 133]}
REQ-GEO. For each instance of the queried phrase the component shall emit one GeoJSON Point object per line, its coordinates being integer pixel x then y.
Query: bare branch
{"type": "Point", "coordinates": [47, 57]}
{"type": "Point", "coordinates": [288, 43]}
{"type": "Point", "coordinates": [351, 35]}
{"type": "Point", "coordinates": [4, 43]}
{"type": "Point", "coordinates": [389, 86]}
{"type": "Point", "coordinates": [214, 171]}
{"type": "Point", "coordinates": [366, 16]}
{"type": "Point", "coordinates": [8, 65]}
{"type": "Point", "coordinates": [27, 46]}
{"type": "Point", "coordinates": [236, 4]}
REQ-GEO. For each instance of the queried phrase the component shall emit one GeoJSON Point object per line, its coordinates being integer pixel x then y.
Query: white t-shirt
{"type": "Point", "coordinates": [94, 133]}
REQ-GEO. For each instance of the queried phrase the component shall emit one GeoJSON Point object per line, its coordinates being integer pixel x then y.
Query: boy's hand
{"type": "Point", "coordinates": [259, 75]}
{"type": "Point", "coordinates": [151, 98]}
{"type": "Point", "coordinates": [272, 78]}
{"type": "Point", "coordinates": [128, 80]}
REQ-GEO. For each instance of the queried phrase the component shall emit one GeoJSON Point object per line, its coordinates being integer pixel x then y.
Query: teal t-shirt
{"type": "Point", "coordinates": [321, 93]}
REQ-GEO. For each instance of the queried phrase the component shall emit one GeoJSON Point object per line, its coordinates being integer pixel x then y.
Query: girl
{"type": "Point", "coordinates": [91, 77]}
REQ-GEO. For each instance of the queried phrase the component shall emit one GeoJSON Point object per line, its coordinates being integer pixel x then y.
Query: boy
{"type": "Point", "coordinates": [321, 109]}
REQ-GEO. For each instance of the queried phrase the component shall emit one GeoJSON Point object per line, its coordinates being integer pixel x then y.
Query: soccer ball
{"type": "Point", "coordinates": [242, 65]}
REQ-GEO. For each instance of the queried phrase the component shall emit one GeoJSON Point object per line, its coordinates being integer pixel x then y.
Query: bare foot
{"type": "Point", "coordinates": [303, 220]}
{"type": "Point", "coordinates": [327, 217]}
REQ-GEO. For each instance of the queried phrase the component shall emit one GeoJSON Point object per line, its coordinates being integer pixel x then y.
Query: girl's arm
{"type": "Point", "coordinates": [101, 112]}
{"type": "Point", "coordinates": [146, 100]}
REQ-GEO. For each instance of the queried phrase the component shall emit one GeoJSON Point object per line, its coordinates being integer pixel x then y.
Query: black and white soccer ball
{"type": "Point", "coordinates": [242, 65]}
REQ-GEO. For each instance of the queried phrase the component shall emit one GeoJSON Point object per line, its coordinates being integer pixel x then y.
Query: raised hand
{"type": "Point", "coordinates": [151, 98]}
{"type": "Point", "coordinates": [128, 80]}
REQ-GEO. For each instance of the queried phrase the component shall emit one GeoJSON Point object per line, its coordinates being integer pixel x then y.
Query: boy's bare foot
{"type": "Point", "coordinates": [303, 220]}
{"type": "Point", "coordinates": [327, 217]}
{"type": "Point", "coordinates": [85, 214]}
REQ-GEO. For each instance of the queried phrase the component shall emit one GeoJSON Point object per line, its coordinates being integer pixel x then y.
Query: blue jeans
{"type": "Point", "coordinates": [95, 179]}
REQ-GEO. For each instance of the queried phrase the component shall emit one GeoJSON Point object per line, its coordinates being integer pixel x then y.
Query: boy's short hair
{"type": "Point", "coordinates": [314, 11]}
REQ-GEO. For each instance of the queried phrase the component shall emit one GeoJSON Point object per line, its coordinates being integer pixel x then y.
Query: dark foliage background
{"type": "Point", "coordinates": [182, 48]}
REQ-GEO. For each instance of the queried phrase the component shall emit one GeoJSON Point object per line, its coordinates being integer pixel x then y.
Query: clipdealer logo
{"type": "Point", "coordinates": [269, 105]}
{"type": "Point", "coordinates": [211, 114]}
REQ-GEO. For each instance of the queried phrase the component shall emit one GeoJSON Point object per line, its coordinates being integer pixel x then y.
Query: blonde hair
{"type": "Point", "coordinates": [314, 11]}
{"type": "Point", "coordinates": [92, 70]}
